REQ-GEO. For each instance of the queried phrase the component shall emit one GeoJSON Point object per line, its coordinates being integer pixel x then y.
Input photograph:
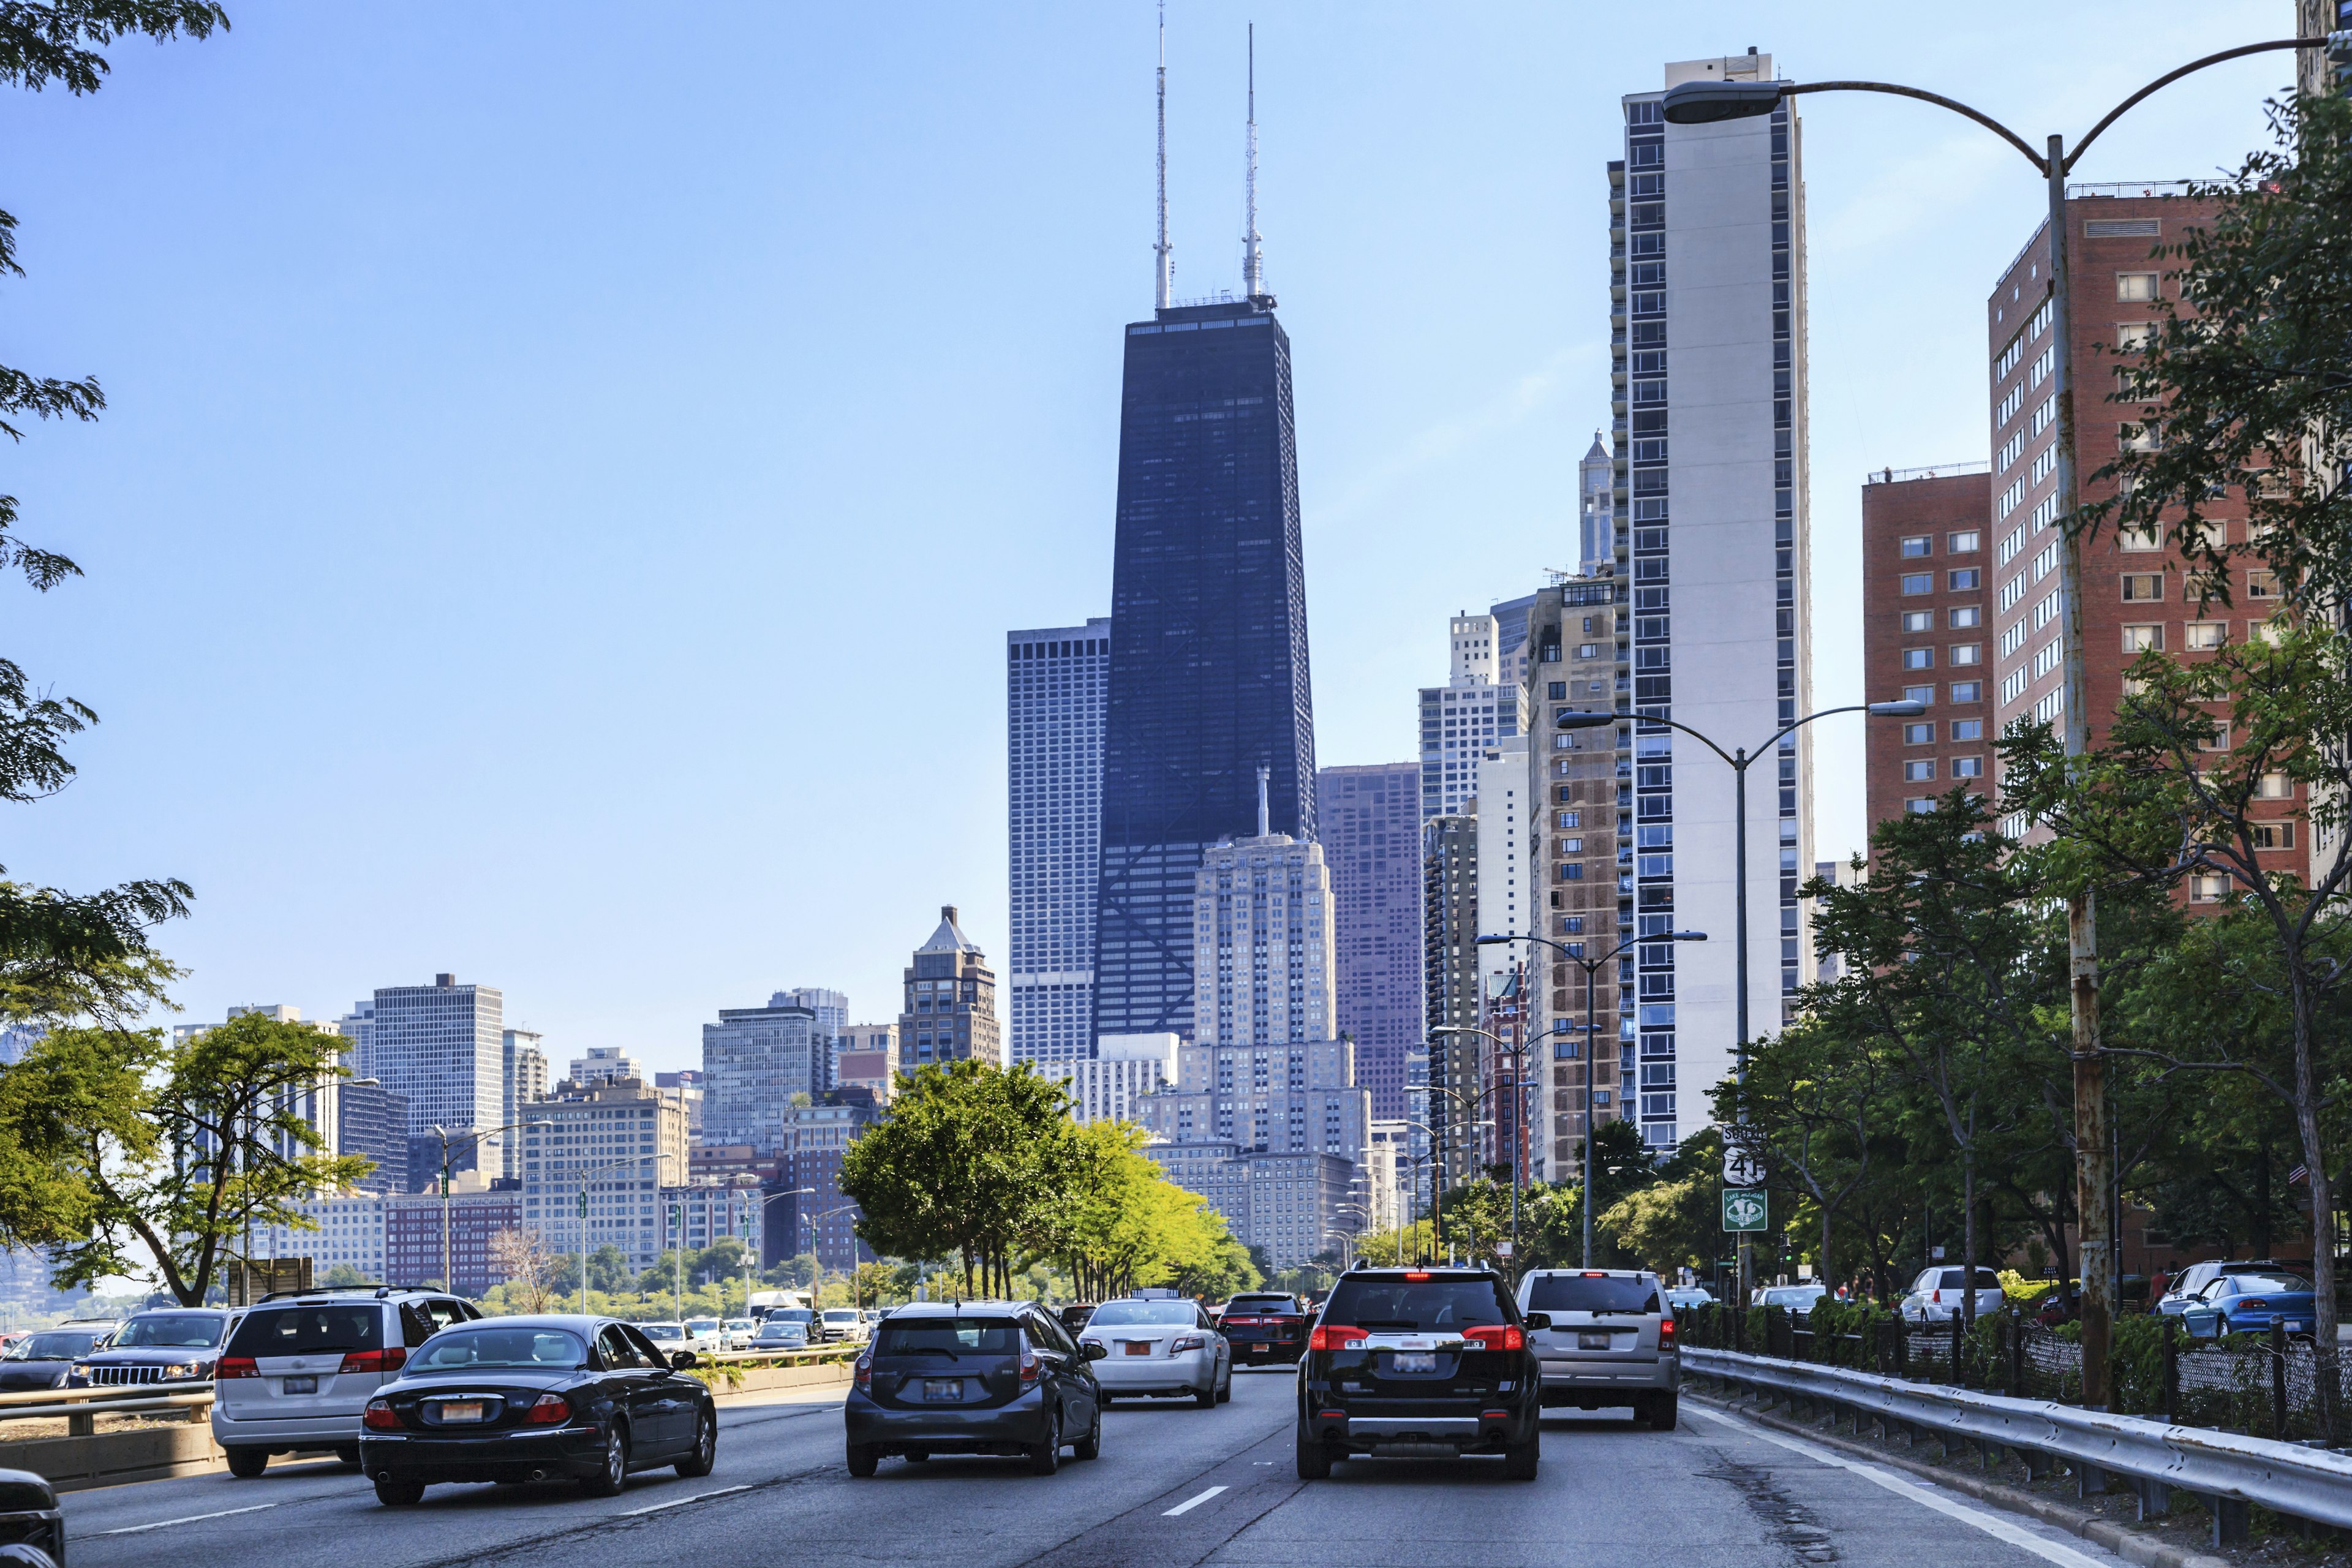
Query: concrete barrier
{"type": "Point", "coordinates": [753, 1379]}
{"type": "Point", "coordinates": [111, 1458]}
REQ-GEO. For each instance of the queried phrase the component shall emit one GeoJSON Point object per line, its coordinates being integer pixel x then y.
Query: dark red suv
{"type": "Point", "coordinates": [1265, 1329]}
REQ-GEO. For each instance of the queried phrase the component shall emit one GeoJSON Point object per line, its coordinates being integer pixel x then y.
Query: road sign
{"type": "Point", "coordinates": [1742, 1168]}
{"type": "Point", "coordinates": [1744, 1210]}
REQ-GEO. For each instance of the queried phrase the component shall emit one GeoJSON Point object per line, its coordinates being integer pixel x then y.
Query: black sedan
{"type": "Point", "coordinates": [527, 1399]}
{"type": "Point", "coordinates": [46, 1359]}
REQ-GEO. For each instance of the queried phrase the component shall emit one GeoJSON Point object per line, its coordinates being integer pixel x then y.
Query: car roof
{"type": "Point", "coordinates": [579, 1323]}
{"type": "Point", "coordinates": [1592, 1273]}
{"type": "Point", "coordinates": [1435, 1272]}
{"type": "Point", "coordinates": [959, 1309]}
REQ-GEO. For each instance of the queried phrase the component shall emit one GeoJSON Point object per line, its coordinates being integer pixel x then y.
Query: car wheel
{"type": "Point", "coordinates": [348, 1455]}
{"type": "Point", "coordinates": [862, 1462]}
{"type": "Point", "coordinates": [1314, 1460]}
{"type": "Point", "coordinates": [1047, 1456]}
{"type": "Point", "coordinates": [1225, 1390]}
{"type": "Point", "coordinates": [246, 1463]}
{"type": "Point", "coordinates": [1090, 1445]}
{"type": "Point", "coordinates": [706, 1447]}
{"type": "Point", "coordinates": [614, 1473]}
{"type": "Point", "coordinates": [918, 1456]}
{"type": "Point", "coordinates": [1519, 1459]}
{"type": "Point", "coordinates": [1665, 1410]}
{"type": "Point", "coordinates": [1206, 1398]}
{"type": "Point", "coordinates": [398, 1491]}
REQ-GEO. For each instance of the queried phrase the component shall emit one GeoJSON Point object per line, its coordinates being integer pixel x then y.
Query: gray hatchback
{"type": "Point", "coordinates": [973, 1377]}
{"type": "Point", "coordinates": [1610, 1340]}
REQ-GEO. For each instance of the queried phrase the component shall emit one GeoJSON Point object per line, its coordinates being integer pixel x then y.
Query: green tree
{"type": "Point", "coordinates": [170, 1150]}
{"type": "Point", "coordinates": [1809, 1107]}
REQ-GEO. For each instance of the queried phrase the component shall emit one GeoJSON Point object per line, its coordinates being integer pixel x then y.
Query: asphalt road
{"type": "Point", "coordinates": [1176, 1485]}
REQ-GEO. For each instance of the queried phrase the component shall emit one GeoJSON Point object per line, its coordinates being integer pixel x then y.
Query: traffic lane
{"type": "Point", "coordinates": [295, 1515]}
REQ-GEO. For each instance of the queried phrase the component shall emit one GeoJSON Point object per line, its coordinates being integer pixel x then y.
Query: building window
{"type": "Point", "coordinates": [2206, 636]}
{"type": "Point", "coordinates": [1922, 695]}
{"type": "Point", "coordinates": [1559, 689]}
{"type": "Point", "coordinates": [2143, 640]}
{"type": "Point", "coordinates": [2218, 741]}
{"type": "Point", "coordinates": [1967, 653]}
{"type": "Point", "coordinates": [1968, 767]}
{"type": "Point", "coordinates": [1913, 772]}
{"type": "Point", "coordinates": [1920, 805]}
{"type": "Point", "coordinates": [1918, 544]}
{"type": "Point", "coordinates": [1918, 734]}
{"type": "Point", "coordinates": [1917, 620]}
{"type": "Point", "coordinates": [1964, 543]}
{"type": "Point", "coordinates": [1966, 616]}
{"type": "Point", "coordinates": [1968, 729]}
{"type": "Point", "coordinates": [2137, 437]}
{"type": "Point", "coordinates": [2207, 888]}
{"type": "Point", "coordinates": [1918, 582]}
{"type": "Point", "coordinates": [2143, 587]}
{"type": "Point", "coordinates": [1967, 579]}
{"type": "Point", "coordinates": [1967, 691]}
{"type": "Point", "coordinates": [2272, 835]}
{"type": "Point", "coordinates": [2274, 787]}
{"type": "Point", "coordinates": [2262, 583]}
{"type": "Point", "coordinates": [2134, 287]}
{"type": "Point", "coordinates": [1918, 658]}
{"type": "Point", "coordinates": [2133, 336]}
{"type": "Point", "coordinates": [2138, 539]}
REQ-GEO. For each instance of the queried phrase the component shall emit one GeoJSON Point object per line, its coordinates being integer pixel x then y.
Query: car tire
{"type": "Point", "coordinates": [246, 1463]}
{"type": "Point", "coordinates": [1314, 1460]}
{"type": "Point", "coordinates": [1045, 1458]}
{"type": "Point", "coordinates": [1206, 1398]}
{"type": "Point", "coordinates": [1226, 1392]}
{"type": "Point", "coordinates": [1090, 1445]}
{"type": "Point", "coordinates": [348, 1455]}
{"type": "Point", "coordinates": [918, 1456]}
{"type": "Point", "coordinates": [614, 1473]}
{"type": "Point", "coordinates": [699, 1463]}
{"type": "Point", "coordinates": [398, 1491]}
{"type": "Point", "coordinates": [862, 1460]}
{"type": "Point", "coordinates": [1666, 1411]}
{"type": "Point", "coordinates": [1520, 1459]}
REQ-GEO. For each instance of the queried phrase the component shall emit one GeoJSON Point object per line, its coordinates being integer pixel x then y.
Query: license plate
{"type": "Point", "coordinates": [453, 1412]}
{"type": "Point", "coordinates": [301, 1386]}
{"type": "Point", "coordinates": [1135, 1347]}
{"type": "Point", "coordinates": [1404, 1363]}
{"type": "Point", "coordinates": [1258, 1347]}
{"type": "Point", "coordinates": [943, 1390]}
{"type": "Point", "coordinates": [1593, 1342]}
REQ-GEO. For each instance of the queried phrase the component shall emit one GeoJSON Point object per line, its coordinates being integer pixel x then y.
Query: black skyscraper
{"type": "Point", "coordinates": [1208, 673]}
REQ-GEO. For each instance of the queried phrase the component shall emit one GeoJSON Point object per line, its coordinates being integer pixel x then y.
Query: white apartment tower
{"type": "Point", "coordinates": [1057, 683]}
{"type": "Point", "coordinates": [444, 1046]}
{"type": "Point", "coordinates": [1506, 873]}
{"type": "Point", "coordinates": [1263, 939]}
{"type": "Point", "coordinates": [1708, 282]}
{"type": "Point", "coordinates": [1462, 719]}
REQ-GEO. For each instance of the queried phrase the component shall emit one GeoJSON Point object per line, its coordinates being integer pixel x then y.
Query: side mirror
{"type": "Point", "coordinates": [1094, 1351]}
{"type": "Point", "coordinates": [1537, 1321]}
{"type": "Point", "coordinates": [681, 1360]}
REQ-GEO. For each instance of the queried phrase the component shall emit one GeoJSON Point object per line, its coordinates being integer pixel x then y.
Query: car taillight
{"type": "Point", "coordinates": [1416, 1274]}
{"type": "Point", "coordinates": [865, 1373]}
{"type": "Point", "coordinates": [1596, 1274]}
{"type": "Point", "coordinates": [1497, 1337]}
{"type": "Point", "coordinates": [549, 1410]}
{"type": "Point", "coordinates": [1188, 1342]}
{"type": "Point", "coordinates": [374, 1361]}
{"type": "Point", "coordinates": [235, 1366]}
{"type": "Point", "coordinates": [378, 1418]}
{"type": "Point", "coordinates": [1029, 1364]}
{"type": "Point", "coordinates": [2253, 1302]}
{"type": "Point", "coordinates": [1937, 1297]}
{"type": "Point", "coordinates": [1328, 1337]}
{"type": "Point", "coordinates": [1665, 1330]}
{"type": "Point", "coordinates": [1237, 1322]}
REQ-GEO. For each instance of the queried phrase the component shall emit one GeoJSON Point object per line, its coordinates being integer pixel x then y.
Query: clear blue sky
{"type": "Point", "coordinates": [566, 484]}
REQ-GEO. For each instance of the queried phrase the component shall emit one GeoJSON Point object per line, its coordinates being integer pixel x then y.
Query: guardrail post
{"type": "Point", "coordinates": [83, 1424]}
{"type": "Point", "coordinates": [2016, 1333]}
{"type": "Point", "coordinates": [2155, 1498]}
{"type": "Point", "coordinates": [1902, 1348]}
{"type": "Point", "coordinates": [2171, 1371]}
{"type": "Point", "coordinates": [2278, 1379]}
{"type": "Point", "coordinates": [2231, 1526]}
{"type": "Point", "coordinates": [2036, 1463]}
{"type": "Point", "coordinates": [2089, 1480]}
{"type": "Point", "coordinates": [1959, 1331]}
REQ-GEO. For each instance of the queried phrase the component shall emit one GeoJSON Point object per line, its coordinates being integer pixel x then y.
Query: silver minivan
{"type": "Point", "coordinates": [299, 1369]}
{"type": "Point", "coordinates": [1610, 1342]}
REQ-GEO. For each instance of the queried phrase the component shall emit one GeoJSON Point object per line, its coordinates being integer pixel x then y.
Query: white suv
{"type": "Point", "coordinates": [1940, 1293]}
{"type": "Point", "coordinates": [301, 1366]}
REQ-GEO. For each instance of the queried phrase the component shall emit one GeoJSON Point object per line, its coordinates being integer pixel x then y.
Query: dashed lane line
{"type": "Point", "coordinates": [1189, 1503]}
{"type": "Point", "coordinates": [188, 1518]}
{"type": "Point", "coordinates": [682, 1501]}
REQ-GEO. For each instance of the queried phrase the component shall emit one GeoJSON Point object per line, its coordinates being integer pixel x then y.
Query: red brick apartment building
{"type": "Point", "coordinates": [1926, 617]}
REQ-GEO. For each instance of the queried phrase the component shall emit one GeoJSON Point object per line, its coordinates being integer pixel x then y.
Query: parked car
{"type": "Point", "coordinates": [781, 1334]}
{"type": "Point", "coordinates": [1420, 1357]}
{"type": "Point", "coordinates": [843, 1323]}
{"type": "Point", "coordinates": [1161, 1345]}
{"type": "Point", "coordinates": [1610, 1342]}
{"type": "Point", "coordinates": [2188, 1285]}
{"type": "Point", "coordinates": [2251, 1303]}
{"type": "Point", "coordinates": [536, 1398]}
{"type": "Point", "coordinates": [1937, 1296]}
{"type": "Point", "coordinates": [45, 1358]}
{"type": "Point", "coordinates": [737, 1334]}
{"type": "Point", "coordinates": [29, 1517]}
{"type": "Point", "coordinates": [1264, 1328]}
{"type": "Point", "coordinates": [298, 1368]}
{"type": "Point", "coordinates": [1790, 1298]}
{"type": "Point", "coordinates": [973, 1377]}
{"type": "Point", "coordinates": [175, 1344]}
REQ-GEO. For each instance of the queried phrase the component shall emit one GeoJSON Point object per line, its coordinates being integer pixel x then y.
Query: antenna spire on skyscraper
{"type": "Point", "coordinates": [1163, 270]}
{"type": "Point", "coordinates": [1252, 262]}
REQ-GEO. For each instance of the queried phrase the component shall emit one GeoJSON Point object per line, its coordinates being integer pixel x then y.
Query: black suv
{"type": "Point", "coordinates": [1264, 1328]}
{"type": "Point", "coordinates": [1420, 1358]}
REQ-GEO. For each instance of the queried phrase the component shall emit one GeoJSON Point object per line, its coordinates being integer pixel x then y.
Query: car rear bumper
{"type": "Point", "coordinates": [320, 1430]}
{"type": "Point", "coordinates": [1248, 1353]}
{"type": "Point", "coordinates": [1194, 1371]}
{"type": "Point", "coordinates": [996, 1429]}
{"type": "Point", "coordinates": [1465, 1428]}
{"type": "Point", "coordinates": [1567, 1381]}
{"type": "Point", "coordinates": [564, 1451]}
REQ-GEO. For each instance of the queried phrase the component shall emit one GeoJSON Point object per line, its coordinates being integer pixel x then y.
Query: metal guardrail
{"type": "Point", "coordinates": [82, 1406]}
{"type": "Point", "coordinates": [2226, 1470]}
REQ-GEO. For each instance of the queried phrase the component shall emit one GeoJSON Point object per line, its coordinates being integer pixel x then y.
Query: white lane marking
{"type": "Point", "coordinates": [190, 1518]}
{"type": "Point", "coordinates": [1927, 1497]}
{"type": "Point", "coordinates": [682, 1501]}
{"type": "Point", "coordinates": [1189, 1503]}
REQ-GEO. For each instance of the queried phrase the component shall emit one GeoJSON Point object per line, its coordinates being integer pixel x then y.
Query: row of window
{"type": "Point", "coordinates": [2197, 637]}
{"type": "Point", "coordinates": [1965, 541]}
{"type": "Point", "coordinates": [1962, 691]}
{"type": "Point", "coordinates": [1959, 653]}
{"type": "Point", "coordinates": [1962, 580]}
{"type": "Point", "coordinates": [1925, 735]}
{"type": "Point", "coordinates": [1957, 617]}
{"type": "Point", "coordinates": [1923, 768]}
{"type": "Point", "coordinates": [2149, 587]}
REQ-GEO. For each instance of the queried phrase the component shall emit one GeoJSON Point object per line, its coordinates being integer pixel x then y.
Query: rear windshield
{"type": "Point", "coordinates": [950, 1337]}
{"type": "Point", "coordinates": [2252, 1284]}
{"type": "Point", "coordinates": [781, 1330]}
{"type": "Point", "coordinates": [52, 1347]}
{"type": "Point", "coordinates": [661, 1332]}
{"type": "Point", "coordinates": [463, 1348]}
{"type": "Point", "coordinates": [1800, 1295]}
{"type": "Point", "coordinates": [190, 1331]}
{"type": "Point", "coordinates": [1392, 1306]}
{"type": "Point", "coordinates": [305, 1330]}
{"type": "Point", "coordinates": [1582, 1293]}
{"type": "Point", "coordinates": [1263, 1304]}
{"type": "Point", "coordinates": [1951, 1279]}
{"type": "Point", "coordinates": [1111, 1314]}
{"type": "Point", "coordinates": [792, 1315]}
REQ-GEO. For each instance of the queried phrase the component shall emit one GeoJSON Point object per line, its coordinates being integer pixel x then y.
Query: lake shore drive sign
{"type": "Point", "coordinates": [1743, 1210]}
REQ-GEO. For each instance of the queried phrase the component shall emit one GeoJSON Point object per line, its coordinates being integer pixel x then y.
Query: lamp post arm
{"type": "Point", "coordinates": [1955, 105]}
{"type": "Point", "coordinates": [2168, 78]}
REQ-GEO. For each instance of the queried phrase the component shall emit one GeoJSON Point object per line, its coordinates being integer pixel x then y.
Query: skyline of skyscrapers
{"type": "Point", "coordinates": [1057, 682]}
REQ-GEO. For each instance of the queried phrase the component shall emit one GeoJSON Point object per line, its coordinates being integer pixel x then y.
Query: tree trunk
{"type": "Point", "coordinates": [1967, 1245]}
{"type": "Point", "coordinates": [966, 1251]}
{"type": "Point", "coordinates": [2323, 1209]}
{"type": "Point", "coordinates": [1826, 1275]}
{"type": "Point", "coordinates": [2263, 1241]}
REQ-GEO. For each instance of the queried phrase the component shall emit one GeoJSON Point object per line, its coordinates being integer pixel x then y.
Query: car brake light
{"type": "Point", "coordinates": [549, 1410]}
{"type": "Point", "coordinates": [864, 1375]}
{"type": "Point", "coordinates": [1416, 1274]}
{"type": "Point", "coordinates": [1937, 1297]}
{"type": "Point", "coordinates": [1596, 1274]}
{"type": "Point", "coordinates": [1497, 1337]}
{"type": "Point", "coordinates": [378, 1417]}
{"type": "Point", "coordinates": [373, 1361]}
{"type": "Point", "coordinates": [1665, 1330]}
{"type": "Point", "coordinates": [1329, 1337]}
{"type": "Point", "coordinates": [235, 1366]}
{"type": "Point", "coordinates": [2253, 1302]}
{"type": "Point", "coordinates": [1029, 1364]}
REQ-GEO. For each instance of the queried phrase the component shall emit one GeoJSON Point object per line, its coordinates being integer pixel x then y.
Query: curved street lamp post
{"type": "Point", "coordinates": [1707, 102]}
{"type": "Point", "coordinates": [471, 1140]}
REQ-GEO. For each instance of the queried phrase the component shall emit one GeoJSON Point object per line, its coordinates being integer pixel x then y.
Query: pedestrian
{"type": "Point", "coordinates": [2158, 1284]}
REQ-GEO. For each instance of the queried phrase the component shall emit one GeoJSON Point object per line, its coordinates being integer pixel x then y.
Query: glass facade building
{"type": "Point", "coordinates": [1372, 841]}
{"type": "Point", "coordinates": [1209, 676]}
{"type": "Point", "coordinates": [1055, 681]}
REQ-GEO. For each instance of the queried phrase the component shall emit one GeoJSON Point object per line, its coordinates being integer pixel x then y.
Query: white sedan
{"type": "Point", "coordinates": [1160, 1347]}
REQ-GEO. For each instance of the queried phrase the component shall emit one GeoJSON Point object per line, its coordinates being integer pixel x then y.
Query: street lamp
{"type": "Point", "coordinates": [1517, 1054]}
{"type": "Point", "coordinates": [1574, 952]}
{"type": "Point", "coordinates": [816, 1241]}
{"type": "Point", "coordinates": [772, 1197]}
{"type": "Point", "coordinates": [1705, 103]}
{"type": "Point", "coordinates": [448, 1283]}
